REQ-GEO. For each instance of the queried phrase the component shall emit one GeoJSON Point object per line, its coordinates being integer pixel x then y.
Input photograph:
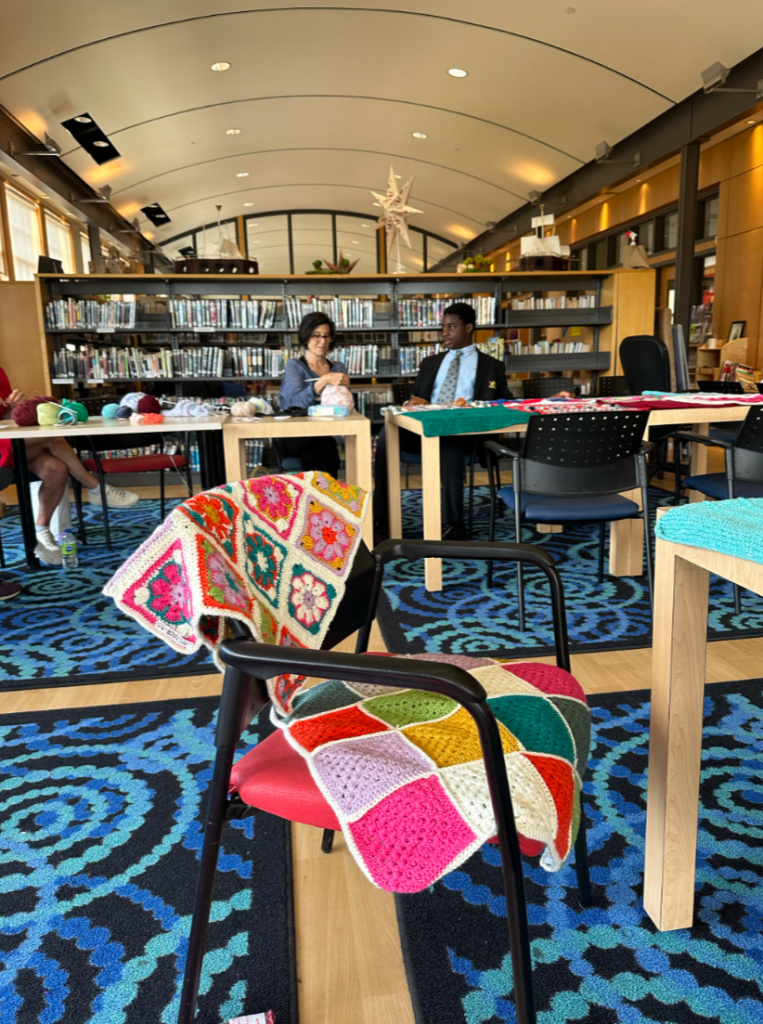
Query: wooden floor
{"type": "Point", "coordinates": [349, 962]}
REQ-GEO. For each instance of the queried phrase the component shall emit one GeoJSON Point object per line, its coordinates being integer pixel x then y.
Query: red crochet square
{"type": "Point", "coordinates": [549, 679]}
{"type": "Point", "coordinates": [311, 733]}
{"type": "Point", "coordinates": [557, 774]}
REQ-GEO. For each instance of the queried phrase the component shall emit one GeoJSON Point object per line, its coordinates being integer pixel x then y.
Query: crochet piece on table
{"type": "Point", "coordinates": [731, 527]}
{"type": "Point", "coordinates": [272, 552]}
{"type": "Point", "coordinates": [403, 771]}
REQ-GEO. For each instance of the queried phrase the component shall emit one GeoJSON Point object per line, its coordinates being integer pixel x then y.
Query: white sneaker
{"type": "Point", "coordinates": [115, 497]}
{"type": "Point", "coordinates": [48, 549]}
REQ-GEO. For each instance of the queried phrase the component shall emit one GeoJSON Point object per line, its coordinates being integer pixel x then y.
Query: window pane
{"type": "Point", "coordinates": [600, 257]}
{"type": "Point", "coordinates": [710, 220]}
{"type": "Point", "coordinates": [645, 235]}
{"type": "Point", "coordinates": [268, 243]}
{"type": "Point", "coordinates": [312, 240]}
{"type": "Point", "coordinates": [25, 235]}
{"type": "Point", "coordinates": [582, 255]}
{"type": "Point", "coordinates": [356, 239]}
{"type": "Point", "coordinates": [437, 250]}
{"type": "Point", "coordinates": [670, 235]}
{"type": "Point", "coordinates": [411, 259]}
{"type": "Point", "coordinates": [59, 241]}
{"type": "Point", "coordinates": [3, 268]}
{"type": "Point", "coordinates": [172, 249]}
{"type": "Point", "coordinates": [84, 242]}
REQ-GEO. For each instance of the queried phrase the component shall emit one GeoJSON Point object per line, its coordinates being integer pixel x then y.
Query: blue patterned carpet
{"type": "Point", "coordinates": [61, 630]}
{"type": "Point", "coordinates": [99, 851]}
{"type": "Point", "coordinates": [466, 617]}
{"type": "Point", "coordinates": [608, 964]}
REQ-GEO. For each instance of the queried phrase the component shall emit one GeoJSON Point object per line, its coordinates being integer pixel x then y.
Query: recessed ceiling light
{"type": "Point", "coordinates": [457, 72]}
{"type": "Point", "coordinates": [418, 135]}
{"type": "Point", "coordinates": [233, 131]}
{"type": "Point", "coordinates": [375, 204]}
{"type": "Point", "coordinates": [100, 144]}
{"type": "Point", "coordinates": [44, 195]}
{"type": "Point", "coordinates": [248, 204]}
{"type": "Point", "coordinates": [243, 174]}
{"type": "Point", "coordinates": [83, 120]}
{"type": "Point", "coordinates": [752, 122]}
{"type": "Point", "coordinates": [220, 65]}
{"type": "Point", "coordinates": [354, 242]}
{"type": "Point", "coordinates": [365, 225]}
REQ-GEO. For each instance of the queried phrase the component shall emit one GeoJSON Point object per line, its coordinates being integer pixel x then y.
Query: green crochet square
{"type": "Point", "coordinates": [409, 707]}
{"type": "Point", "coordinates": [536, 723]}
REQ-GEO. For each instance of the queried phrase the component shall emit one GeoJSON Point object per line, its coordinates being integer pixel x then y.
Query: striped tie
{"type": "Point", "coordinates": [449, 385]}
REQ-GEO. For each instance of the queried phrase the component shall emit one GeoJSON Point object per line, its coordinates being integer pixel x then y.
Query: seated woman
{"type": "Point", "coordinates": [52, 459]}
{"type": "Point", "coordinates": [303, 381]}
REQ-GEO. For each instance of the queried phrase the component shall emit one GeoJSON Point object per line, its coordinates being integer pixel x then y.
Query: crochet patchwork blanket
{"type": "Point", "coordinates": [272, 552]}
{"type": "Point", "coordinates": [403, 771]}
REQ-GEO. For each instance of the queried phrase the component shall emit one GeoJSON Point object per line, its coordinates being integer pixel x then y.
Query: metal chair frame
{"type": "Point", "coordinates": [249, 664]}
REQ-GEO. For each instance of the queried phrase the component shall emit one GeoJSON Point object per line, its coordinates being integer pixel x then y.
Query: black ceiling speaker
{"type": "Point", "coordinates": [91, 138]}
{"type": "Point", "coordinates": [156, 215]}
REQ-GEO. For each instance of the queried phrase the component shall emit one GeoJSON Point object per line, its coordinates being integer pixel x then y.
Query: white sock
{"type": "Point", "coordinates": [41, 529]}
{"type": "Point", "coordinates": [94, 490]}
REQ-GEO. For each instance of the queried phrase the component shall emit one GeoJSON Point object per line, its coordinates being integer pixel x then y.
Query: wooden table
{"type": "Point", "coordinates": [355, 428]}
{"type": "Point", "coordinates": [430, 483]}
{"type": "Point", "coordinates": [208, 430]}
{"type": "Point", "coordinates": [679, 655]}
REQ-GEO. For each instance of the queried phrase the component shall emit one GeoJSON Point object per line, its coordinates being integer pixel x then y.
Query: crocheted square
{"type": "Point", "coordinates": [497, 681]}
{"type": "Point", "coordinates": [560, 782]}
{"type": "Point", "coordinates": [454, 740]}
{"type": "Point", "coordinates": [264, 561]}
{"type": "Point", "coordinates": [358, 773]}
{"type": "Point", "coordinates": [549, 679]}
{"type": "Point", "coordinates": [409, 706]}
{"type": "Point", "coordinates": [374, 689]}
{"type": "Point", "coordinates": [348, 496]}
{"type": "Point", "coordinates": [224, 589]}
{"type": "Point", "coordinates": [536, 722]}
{"type": "Point", "coordinates": [461, 660]}
{"type": "Point", "coordinates": [578, 719]}
{"type": "Point", "coordinates": [264, 623]}
{"type": "Point", "coordinates": [328, 696]}
{"type": "Point", "coordinates": [310, 598]}
{"type": "Point", "coordinates": [410, 837]}
{"type": "Point", "coordinates": [312, 733]}
{"type": "Point", "coordinates": [160, 598]}
{"type": "Point", "coordinates": [328, 538]}
{"type": "Point", "coordinates": [216, 515]}
{"type": "Point", "coordinates": [274, 500]}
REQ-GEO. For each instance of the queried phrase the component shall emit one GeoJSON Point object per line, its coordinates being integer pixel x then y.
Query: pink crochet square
{"type": "Point", "coordinates": [548, 678]}
{"type": "Point", "coordinates": [361, 772]}
{"type": "Point", "coordinates": [411, 837]}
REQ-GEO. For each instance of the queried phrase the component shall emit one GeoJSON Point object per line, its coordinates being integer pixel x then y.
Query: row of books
{"type": "Point", "coordinates": [89, 315]}
{"type": "Point", "coordinates": [412, 355]}
{"type": "Point", "coordinates": [429, 312]}
{"type": "Point", "coordinates": [492, 347]}
{"type": "Point", "coordinates": [219, 314]}
{"type": "Point", "coordinates": [368, 397]}
{"type": "Point", "coordinates": [168, 448]}
{"type": "Point", "coordinates": [362, 359]}
{"type": "Point", "coordinates": [541, 348]}
{"type": "Point", "coordinates": [344, 312]}
{"type": "Point", "coordinates": [559, 302]}
{"type": "Point", "coordinates": [254, 450]}
{"type": "Point", "coordinates": [250, 361]}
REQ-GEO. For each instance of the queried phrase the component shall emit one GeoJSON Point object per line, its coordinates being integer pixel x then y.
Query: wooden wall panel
{"type": "Point", "coordinates": [20, 351]}
{"type": "Point", "coordinates": [746, 150]}
{"type": "Point", "coordinates": [740, 298]}
{"type": "Point", "coordinates": [745, 202]}
{"type": "Point", "coordinates": [714, 165]}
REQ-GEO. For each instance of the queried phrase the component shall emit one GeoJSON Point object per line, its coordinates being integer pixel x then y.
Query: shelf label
{"type": "Point", "coordinates": [104, 330]}
{"type": "Point", "coordinates": [63, 380]}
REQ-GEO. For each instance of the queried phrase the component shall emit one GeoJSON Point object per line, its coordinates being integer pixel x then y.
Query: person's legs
{"type": "Point", "coordinates": [55, 478]}
{"type": "Point", "coordinates": [61, 450]}
{"type": "Point", "coordinates": [319, 453]}
{"type": "Point", "coordinates": [408, 443]}
{"type": "Point", "coordinates": [452, 476]}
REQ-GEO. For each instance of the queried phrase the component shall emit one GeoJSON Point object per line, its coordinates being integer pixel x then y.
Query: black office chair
{"type": "Point", "coordinates": [646, 366]}
{"type": "Point", "coordinates": [244, 695]}
{"type": "Point", "coordinates": [547, 387]}
{"type": "Point", "coordinates": [723, 431]}
{"type": "Point", "coordinates": [611, 387]}
{"type": "Point", "coordinates": [572, 467]}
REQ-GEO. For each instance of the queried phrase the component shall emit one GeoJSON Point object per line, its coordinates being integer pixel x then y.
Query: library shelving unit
{"type": "Point", "coordinates": [183, 329]}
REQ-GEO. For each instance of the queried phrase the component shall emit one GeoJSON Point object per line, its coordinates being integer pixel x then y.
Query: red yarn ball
{"type": "Point", "coordinates": [152, 417]}
{"type": "Point", "coordinates": [148, 404]}
{"type": "Point", "coordinates": [25, 413]}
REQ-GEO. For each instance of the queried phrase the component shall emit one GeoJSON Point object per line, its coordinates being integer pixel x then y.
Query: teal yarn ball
{"type": "Point", "coordinates": [109, 412]}
{"type": "Point", "coordinates": [77, 408]}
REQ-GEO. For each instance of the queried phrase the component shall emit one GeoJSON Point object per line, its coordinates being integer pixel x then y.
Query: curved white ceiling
{"type": "Point", "coordinates": [328, 95]}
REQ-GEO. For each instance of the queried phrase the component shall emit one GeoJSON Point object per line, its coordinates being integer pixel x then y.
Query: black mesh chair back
{"type": "Point", "coordinates": [401, 392]}
{"type": "Point", "coordinates": [547, 387]}
{"type": "Point", "coordinates": [646, 364]}
{"type": "Point", "coordinates": [721, 387]}
{"type": "Point", "coordinates": [611, 387]}
{"type": "Point", "coordinates": [582, 453]}
{"type": "Point", "coordinates": [747, 453]}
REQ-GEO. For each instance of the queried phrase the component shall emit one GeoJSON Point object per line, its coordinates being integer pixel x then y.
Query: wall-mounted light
{"type": "Point", "coordinates": [714, 79]}
{"type": "Point", "coordinates": [52, 148]}
{"type": "Point", "coordinates": [602, 156]}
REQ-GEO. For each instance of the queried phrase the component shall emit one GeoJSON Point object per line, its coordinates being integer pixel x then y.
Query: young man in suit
{"type": "Point", "coordinates": [461, 371]}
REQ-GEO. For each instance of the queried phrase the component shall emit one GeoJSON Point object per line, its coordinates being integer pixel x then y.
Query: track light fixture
{"type": "Point", "coordinates": [714, 80]}
{"type": "Point", "coordinates": [156, 215]}
{"type": "Point", "coordinates": [602, 156]}
{"type": "Point", "coordinates": [52, 148]}
{"type": "Point", "coordinates": [103, 193]}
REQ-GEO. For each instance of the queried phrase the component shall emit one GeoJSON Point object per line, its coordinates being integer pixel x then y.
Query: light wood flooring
{"type": "Point", "coordinates": [349, 963]}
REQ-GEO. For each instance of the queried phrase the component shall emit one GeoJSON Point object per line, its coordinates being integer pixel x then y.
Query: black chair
{"type": "Point", "coordinates": [725, 431]}
{"type": "Point", "coordinates": [646, 366]}
{"type": "Point", "coordinates": [6, 479]}
{"type": "Point", "coordinates": [244, 695]}
{"type": "Point", "coordinates": [743, 476]}
{"type": "Point", "coordinates": [611, 387]}
{"type": "Point", "coordinates": [547, 387]}
{"type": "Point", "coordinates": [572, 467]}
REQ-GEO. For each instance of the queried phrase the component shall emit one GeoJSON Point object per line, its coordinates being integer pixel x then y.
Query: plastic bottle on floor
{"type": "Point", "coordinates": [68, 543]}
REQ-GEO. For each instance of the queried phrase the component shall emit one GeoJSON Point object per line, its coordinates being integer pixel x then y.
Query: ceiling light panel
{"type": "Point", "coordinates": [220, 65]}
{"type": "Point", "coordinates": [91, 138]}
{"type": "Point", "coordinates": [457, 72]}
{"type": "Point", "coordinates": [156, 215]}
{"type": "Point", "coordinates": [233, 131]}
{"type": "Point", "coordinates": [419, 135]}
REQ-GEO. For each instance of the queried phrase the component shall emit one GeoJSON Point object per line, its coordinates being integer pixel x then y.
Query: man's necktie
{"type": "Point", "coordinates": [449, 385]}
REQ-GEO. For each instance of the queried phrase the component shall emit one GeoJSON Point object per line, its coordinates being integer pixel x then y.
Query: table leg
{"type": "Point", "coordinates": [357, 449]}
{"type": "Point", "coordinates": [430, 494]}
{"type": "Point", "coordinates": [235, 466]}
{"type": "Point", "coordinates": [626, 542]}
{"type": "Point", "coordinates": [675, 738]}
{"type": "Point", "coordinates": [698, 462]}
{"type": "Point", "coordinates": [25, 503]}
{"type": "Point", "coordinates": [394, 506]}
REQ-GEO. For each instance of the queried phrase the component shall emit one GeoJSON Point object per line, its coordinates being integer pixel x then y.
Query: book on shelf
{"type": "Point", "coordinates": [222, 314]}
{"type": "Point", "coordinates": [346, 313]}
{"type": "Point", "coordinates": [429, 312]}
{"type": "Point", "coordinates": [554, 302]}
{"type": "Point", "coordinates": [89, 315]}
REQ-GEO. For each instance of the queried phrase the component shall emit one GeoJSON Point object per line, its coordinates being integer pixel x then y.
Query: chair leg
{"type": "Point", "coordinates": [602, 538]}
{"type": "Point", "coordinates": [188, 473]}
{"type": "Point", "coordinates": [81, 535]}
{"type": "Point", "coordinates": [328, 840]}
{"type": "Point", "coordinates": [2, 552]}
{"type": "Point", "coordinates": [581, 861]}
{"type": "Point", "coordinates": [407, 474]}
{"type": "Point", "coordinates": [470, 527]}
{"type": "Point", "coordinates": [520, 567]}
{"type": "Point", "coordinates": [364, 633]}
{"type": "Point", "coordinates": [161, 494]}
{"type": "Point", "coordinates": [647, 519]}
{"type": "Point", "coordinates": [737, 599]}
{"type": "Point", "coordinates": [104, 504]}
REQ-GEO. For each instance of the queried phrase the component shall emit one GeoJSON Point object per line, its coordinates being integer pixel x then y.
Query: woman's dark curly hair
{"type": "Point", "coordinates": [312, 320]}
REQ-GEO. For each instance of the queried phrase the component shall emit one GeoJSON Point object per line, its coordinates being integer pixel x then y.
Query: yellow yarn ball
{"type": "Point", "coordinates": [47, 414]}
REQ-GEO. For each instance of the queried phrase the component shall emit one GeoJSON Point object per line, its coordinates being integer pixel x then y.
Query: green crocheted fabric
{"type": "Point", "coordinates": [442, 422]}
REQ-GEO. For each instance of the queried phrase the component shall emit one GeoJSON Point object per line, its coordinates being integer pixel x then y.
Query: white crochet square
{"type": "Point", "coordinates": [497, 681]}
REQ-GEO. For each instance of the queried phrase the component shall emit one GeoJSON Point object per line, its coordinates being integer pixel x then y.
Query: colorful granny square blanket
{"type": "Point", "coordinates": [272, 552]}
{"type": "Point", "coordinates": [403, 771]}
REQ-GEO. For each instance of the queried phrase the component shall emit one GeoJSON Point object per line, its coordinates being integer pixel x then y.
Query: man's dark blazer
{"type": "Point", "coordinates": [489, 384]}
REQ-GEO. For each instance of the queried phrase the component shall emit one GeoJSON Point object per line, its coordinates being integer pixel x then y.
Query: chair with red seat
{"type": "Point", "coordinates": [275, 777]}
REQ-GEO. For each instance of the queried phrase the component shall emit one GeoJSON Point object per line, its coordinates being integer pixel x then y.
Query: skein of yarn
{"type": "Point", "coordinates": [151, 417]}
{"type": "Point", "coordinates": [131, 399]}
{"type": "Point", "coordinates": [48, 412]}
{"type": "Point", "coordinates": [25, 413]}
{"type": "Point", "coordinates": [243, 409]}
{"type": "Point", "coordinates": [110, 410]}
{"type": "Point", "coordinates": [124, 412]}
{"type": "Point", "coordinates": [78, 408]}
{"type": "Point", "coordinates": [148, 404]}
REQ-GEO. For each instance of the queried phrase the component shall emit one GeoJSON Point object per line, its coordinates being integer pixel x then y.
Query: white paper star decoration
{"type": "Point", "coordinates": [396, 210]}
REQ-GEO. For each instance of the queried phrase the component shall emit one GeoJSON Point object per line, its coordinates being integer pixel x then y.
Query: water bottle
{"type": "Point", "coordinates": [68, 543]}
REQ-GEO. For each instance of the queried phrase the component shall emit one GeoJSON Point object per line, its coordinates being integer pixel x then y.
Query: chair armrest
{"type": "Point", "coordinates": [710, 442]}
{"type": "Point", "coordinates": [262, 661]}
{"type": "Point", "coordinates": [482, 550]}
{"type": "Point", "coordinates": [501, 451]}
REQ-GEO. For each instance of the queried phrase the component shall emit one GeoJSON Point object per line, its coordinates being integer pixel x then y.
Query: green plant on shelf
{"type": "Point", "coordinates": [344, 266]}
{"type": "Point", "coordinates": [478, 264]}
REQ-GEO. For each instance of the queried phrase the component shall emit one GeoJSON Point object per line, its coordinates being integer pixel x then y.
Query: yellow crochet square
{"type": "Point", "coordinates": [454, 740]}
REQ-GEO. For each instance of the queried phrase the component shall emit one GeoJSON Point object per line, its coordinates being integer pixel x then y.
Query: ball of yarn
{"type": "Point", "coordinates": [131, 399]}
{"type": "Point", "coordinates": [337, 394]}
{"type": "Point", "coordinates": [124, 412]}
{"type": "Point", "coordinates": [109, 411]}
{"type": "Point", "coordinates": [78, 408]}
{"type": "Point", "coordinates": [47, 414]}
{"type": "Point", "coordinates": [243, 409]}
{"type": "Point", "coordinates": [148, 404]}
{"type": "Point", "coordinates": [152, 417]}
{"type": "Point", "coordinates": [25, 413]}
{"type": "Point", "coordinates": [136, 419]}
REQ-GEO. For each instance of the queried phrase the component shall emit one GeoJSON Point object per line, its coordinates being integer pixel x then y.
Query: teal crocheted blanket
{"type": "Point", "coordinates": [443, 422]}
{"type": "Point", "coordinates": [732, 527]}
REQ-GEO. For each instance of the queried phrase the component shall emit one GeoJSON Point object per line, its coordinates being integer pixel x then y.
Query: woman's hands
{"type": "Point", "coordinates": [15, 398]}
{"type": "Point", "coordinates": [330, 378]}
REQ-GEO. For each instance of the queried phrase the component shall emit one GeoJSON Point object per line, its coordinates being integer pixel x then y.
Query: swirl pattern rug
{"type": "Point", "coordinates": [100, 839]}
{"type": "Point", "coordinates": [468, 617]}
{"type": "Point", "coordinates": [62, 630]}
{"type": "Point", "coordinates": [608, 964]}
